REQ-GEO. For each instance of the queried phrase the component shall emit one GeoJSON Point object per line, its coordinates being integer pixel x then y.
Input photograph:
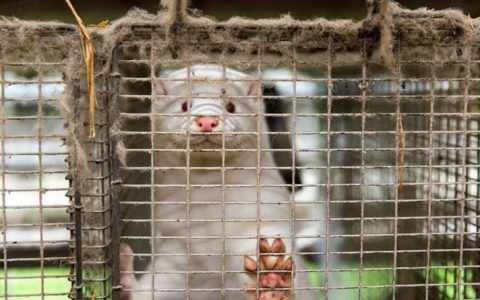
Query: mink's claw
{"type": "Point", "coordinates": [271, 274]}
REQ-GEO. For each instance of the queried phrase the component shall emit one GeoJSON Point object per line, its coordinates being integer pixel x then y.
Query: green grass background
{"type": "Point", "coordinates": [26, 283]}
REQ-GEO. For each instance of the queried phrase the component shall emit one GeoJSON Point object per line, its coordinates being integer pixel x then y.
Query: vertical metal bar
{"type": "Point", "coordinates": [40, 104]}
{"type": "Point", "coordinates": [463, 192]}
{"type": "Point", "coordinates": [78, 286]}
{"type": "Point", "coordinates": [293, 135]}
{"type": "Point", "coordinates": [115, 184]}
{"type": "Point", "coordinates": [364, 90]}
{"type": "Point", "coordinates": [259, 164]}
{"type": "Point", "coordinates": [3, 172]}
{"type": "Point", "coordinates": [330, 52]}
{"type": "Point", "coordinates": [152, 169]}
{"type": "Point", "coordinates": [476, 160]}
{"type": "Point", "coordinates": [457, 205]}
{"type": "Point", "coordinates": [102, 142]}
{"type": "Point", "coordinates": [189, 194]}
{"type": "Point", "coordinates": [442, 193]}
{"type": "Point", "coordinates": [224, 81]}
{"type": "Point", "coordinates": [399, 130]}
{"type": "Point", "coordinates": [430, 171]}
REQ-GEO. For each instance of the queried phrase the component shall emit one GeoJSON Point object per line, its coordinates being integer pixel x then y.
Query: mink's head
{"type": "Point", "coordinates": [208, 107]}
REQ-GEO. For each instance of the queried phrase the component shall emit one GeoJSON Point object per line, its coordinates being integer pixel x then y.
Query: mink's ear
{"type": "Point", "coordinates": [160, 88]}
{"type": "Point", "coordinates": [158, 103]}
{"type": "Point", "coordinates": [253, 88]}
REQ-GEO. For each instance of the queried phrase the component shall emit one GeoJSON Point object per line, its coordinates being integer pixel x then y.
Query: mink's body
{"type": "Point", "coordinates": [215, 202]}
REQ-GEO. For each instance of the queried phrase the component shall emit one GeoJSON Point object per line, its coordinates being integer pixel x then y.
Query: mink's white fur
{"type": "Point", "coordinates": [222, 193]}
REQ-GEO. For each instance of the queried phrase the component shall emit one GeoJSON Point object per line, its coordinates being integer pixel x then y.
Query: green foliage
{"type": "Point", "coordinates": [345, 282]}
{"type": "Point", "coordinates": [22, 283]}
{"type": "Point", "coordinates": [452, 280]}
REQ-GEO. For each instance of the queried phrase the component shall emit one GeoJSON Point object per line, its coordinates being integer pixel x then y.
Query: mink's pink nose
{"type": "Point", "coordinates": [207, 124]}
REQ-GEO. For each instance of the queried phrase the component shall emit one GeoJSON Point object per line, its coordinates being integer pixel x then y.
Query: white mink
{"type": "Point", "coordinates": [208, 230]}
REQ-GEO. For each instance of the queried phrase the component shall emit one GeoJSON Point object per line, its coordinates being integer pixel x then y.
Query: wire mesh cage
{"type": "Point", "coordinates": [247, 159]}
{"type": "Point", "coordinates": [56, 214]}
{"type": "Point", "coordinates": [34, 217]}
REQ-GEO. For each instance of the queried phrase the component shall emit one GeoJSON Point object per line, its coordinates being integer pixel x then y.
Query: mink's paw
{"type": "Point", "coordinates": [272, 274]}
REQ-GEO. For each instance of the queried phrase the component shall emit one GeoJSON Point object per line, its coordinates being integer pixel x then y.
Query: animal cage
{"type": "Point", "coordinates": [364, 135]}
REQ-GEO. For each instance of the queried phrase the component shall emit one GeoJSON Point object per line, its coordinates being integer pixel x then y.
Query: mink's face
{"type": "Point", "coordinates": [212, 109]}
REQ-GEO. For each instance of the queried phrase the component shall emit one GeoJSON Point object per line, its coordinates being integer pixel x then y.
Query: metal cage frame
{"type": "Point", "coordinates": [443, 144]}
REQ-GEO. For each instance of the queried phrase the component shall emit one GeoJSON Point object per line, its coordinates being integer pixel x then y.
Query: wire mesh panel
{"type": "Point", "coordinates": [194, 209]}
{"type": "Point", "coordinates": [55, 179]}
{"type": "Point", "coordinates": [243, 159]}
{"type": "Point", "coordinates": [91, 188]}
{"type": "Point", "coordinates": [91, 195]}
{"type": "Point", "coordinates": [446, 180]}
{"type": "Point", "coordinates": [34, 219]}
{"type": "Point", "coordinates": [374, 163]}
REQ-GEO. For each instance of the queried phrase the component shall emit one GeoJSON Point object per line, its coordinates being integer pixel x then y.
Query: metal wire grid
{"type": "Point", "coordinates": [395, 159]}
{"type": "Point", "coordinates": [451, 180]}
{"type": "Point", "coordinates": [46, 253]}
{"type": "Point", "coordinates": [383, 186]}
{"type": "Point", "coordinates": [91, 193]}
{"type": "Point", "coordinates": [138, 140]}
{"type": "Point", "coordinates": [389, 149]}
{"type": "Point", "coordinates": [34, 219]}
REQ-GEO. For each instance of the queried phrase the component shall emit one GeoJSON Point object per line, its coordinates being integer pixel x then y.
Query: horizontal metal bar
{"type": "Point", "coordinates": [392, 184]}
{"type": "Point", "coordinates": [300, 167]}
{"type": "Point", "coordinates": [305, 133]}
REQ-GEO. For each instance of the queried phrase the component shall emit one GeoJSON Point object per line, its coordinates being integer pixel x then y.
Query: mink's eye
{"type": "Point", "coordinates": [186, 106]}
{"type": "Point", "coordinates": [230, 107]}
